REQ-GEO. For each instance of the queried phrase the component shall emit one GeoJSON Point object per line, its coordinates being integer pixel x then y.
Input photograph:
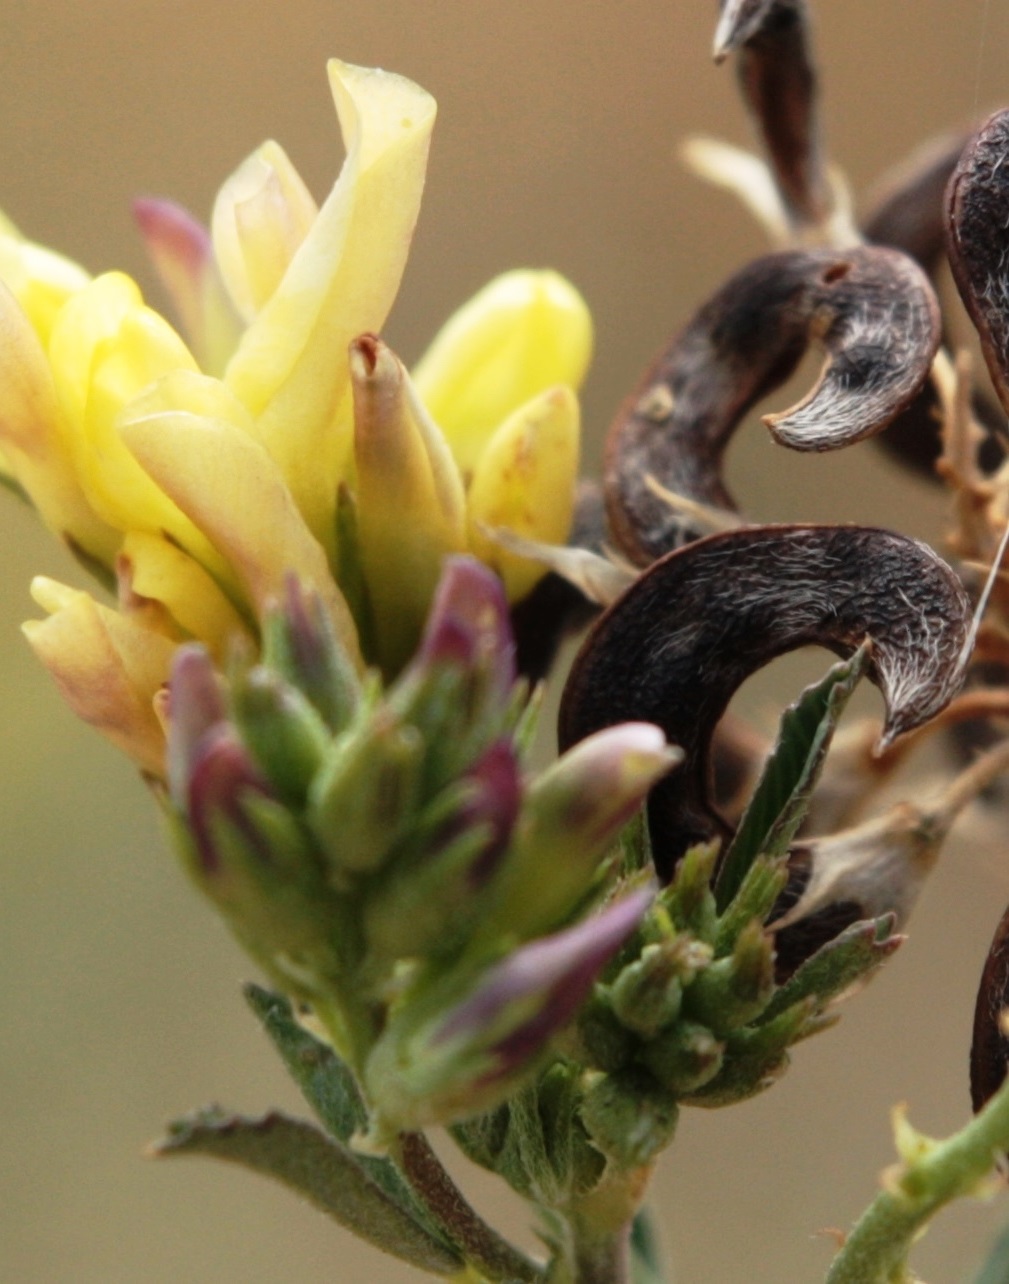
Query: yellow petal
{"type": "Point", "coordinates": [40, 279]}
{"type": "Point", "coordinates": [234, 493]}
{"type": "Point", "coordinates": [410, 503]}
{"type": "Point", "coordinates": [108, 668]}
{"type": "Point", "coordinates": [525, 482]}
{"type": "Point", "coordinates": [262, 214]}
{"type": "Point", "coordinates": [33, 438]}
{"type": "Point", "coordinates": [290, 368]}
{"type": "Point", "coordinates": [157, 570]}
{"type": "Point", "coordinates": [521, 334]}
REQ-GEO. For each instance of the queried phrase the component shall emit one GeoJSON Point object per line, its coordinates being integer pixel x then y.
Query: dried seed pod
{"type": "Point", "coordinates": [676, 646]}
{"type": "Point", "coordinates": [873, 311]}
{"type": "Point", "coordinates": [909, 214]}
{"type": "Point", "coordinates": [989, 1050]}
{"type": "Point", "coordinates": [977, 202]}
{"type": "Point", "coordinates": [778, 80]}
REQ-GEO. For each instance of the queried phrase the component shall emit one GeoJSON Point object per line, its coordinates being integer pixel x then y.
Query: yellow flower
{"type": "Point", "coordinates": [283, 436]}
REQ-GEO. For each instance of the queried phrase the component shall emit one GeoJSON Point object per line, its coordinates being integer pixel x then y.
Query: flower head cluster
{"type": "Point", "coordinates": [282, 436]}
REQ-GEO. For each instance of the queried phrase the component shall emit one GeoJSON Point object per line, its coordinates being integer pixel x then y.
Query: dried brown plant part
{"type": "Point", "coordinates": [688, 632]}
{"type": "Point", "coordinates": [876, 868]}
{"type": "Point", "coordinates": [777, 76]}
{"type": "Point", "coordinates": [871, 309]}
{"type": "Point", "coordinates": [989, 1049]}
{"type": "Point", "coordinates": [977, 202]}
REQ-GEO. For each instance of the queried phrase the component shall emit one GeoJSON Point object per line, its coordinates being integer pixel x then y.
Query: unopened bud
{"type": "Point", "coordinates": [282, 730]}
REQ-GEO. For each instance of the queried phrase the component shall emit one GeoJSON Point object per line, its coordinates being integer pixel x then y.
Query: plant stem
{"type": "Point", "coordinates": [482, 1246]}
{"type": "Point", "coordinates": [600, 1226]}
{"type": "Point", "coordinates": [933, 1176]}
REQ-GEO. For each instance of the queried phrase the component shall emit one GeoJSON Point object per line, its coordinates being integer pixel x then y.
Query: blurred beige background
{"type": "Point", "coordinates": [556, 144]}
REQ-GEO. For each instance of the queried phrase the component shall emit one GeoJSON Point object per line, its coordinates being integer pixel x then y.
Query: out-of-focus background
{"type": "Point", "coordinates": [556, 145]}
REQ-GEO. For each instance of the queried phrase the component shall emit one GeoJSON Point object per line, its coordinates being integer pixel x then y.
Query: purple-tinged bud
{"type": "Point", "coordinates": [494, 801]}
{"type": "Point", "coordinates": [469, 626]}
{"type": "Point", "coordinates": [571, 816]}
{"type": "Point", "coordinates": [195, 704]}
{"type": "Point", "coordinates": [471, 1056]}
{"type": "Point", "coordinates": [300, 643]}
{"type": "Point", "coordinates": [221, 777]}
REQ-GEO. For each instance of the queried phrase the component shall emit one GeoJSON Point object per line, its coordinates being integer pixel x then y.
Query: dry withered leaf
{"type": "Point", "coordinates": [688, 632]}
{"type": "Point", "coordinates": [777, 76]}
{"type": "Point", "coordinates": [872, 310]}
{"type": "Point", "coordinates": [989, 1050]}
{"type": "Point", "coordinates": [978, 211]}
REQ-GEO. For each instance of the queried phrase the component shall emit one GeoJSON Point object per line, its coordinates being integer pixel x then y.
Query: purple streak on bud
{"type": "Point", "coordinates": [222, 774]}
{"type": "Point", "coordinates": [557, 970]}
{"type": "Point", "coordinates": [495, 801]}
{"type": "Point", "coordinates": [195, 704]}
{"type": "Point", "coordinates": [469, 622]}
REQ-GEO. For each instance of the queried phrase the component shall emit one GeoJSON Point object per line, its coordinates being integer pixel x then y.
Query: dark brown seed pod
{"type": "Point", "coordinates": [871, 309]}
{"type": "Point", "coordinates": [977, 202]}
{"type": "Point", "coordinates": [688, 632]}
{"type": "Point", "coordinates": [989, 1051]}
{"type": "Point", "coordinates": [778, 80]}
{"type": "Point", "coordinates": [909, 214]}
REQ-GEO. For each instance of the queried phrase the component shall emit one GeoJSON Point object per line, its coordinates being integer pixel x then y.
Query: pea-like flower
{"type": "Point", "coordinates": [280, 435]}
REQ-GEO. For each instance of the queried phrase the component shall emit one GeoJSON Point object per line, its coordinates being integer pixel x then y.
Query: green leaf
{"type": "Point", "coordinates": [646, 1256]}
{"type": "Point", "coordinates": [849, 957]}
{"type": "Point", "coordinates": [996, 1268]}
{"type": "Point", "coordinates": [324, 1172]}
{"type": "Point", "coordinates": [330, 1089]}
{"type": "Point", "coordinates": [781, 798]}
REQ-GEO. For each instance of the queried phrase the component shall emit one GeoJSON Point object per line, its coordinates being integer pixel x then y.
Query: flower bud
{"type": "Point", "coordinates": [572, 814]}
{"type": "Point", "coordinates": [630, 1117]}
{"type": "Point", "coordinates": [476, 1050]}
{"type": "Point", "coordinates": [195, 705]}
{"type": "Point", "coordinates": [281, 729]}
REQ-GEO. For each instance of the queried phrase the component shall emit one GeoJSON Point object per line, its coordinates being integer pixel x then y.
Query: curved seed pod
{"type": "Point", "coordinates": [909, 214]}
{"type": "Point", "coordinates": [779, 85]}
{"type": "Point", "coordinates": [688, 632]}
{"type": "Point", "coordinates": [873, 311]}
{"type": "Point", "coordinates": [989, 1049]}
{"type": "Point", "coordinates": [977, 203]}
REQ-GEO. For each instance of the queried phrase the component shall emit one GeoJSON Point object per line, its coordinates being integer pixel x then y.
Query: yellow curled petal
{"type": "Point", "coordinates": [156, 570]}
{"type": "Point", "coordinates": [524, 332]}
{"type": "Point", "coordinates": [107, 668]}
{"type": "Point", "coordinates": [410, 502]}
{"type": "Point", "coordinates": [40, 279]}
{"type": "Point", "coordinates": [233, 492]}
{"type": "Point", "coordinates": [261, 215]}
{"type": "Point", "coordinates": [290, 368]}
{"type": "Point", "coordinates": [33, 438]}
{"type": "Point", "coordinates": [525, 482]}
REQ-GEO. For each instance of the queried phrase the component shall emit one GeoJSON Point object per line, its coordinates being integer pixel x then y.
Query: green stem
{"type": "Point", "coordinates": [876, 1250]}
{"type": "Point", "coordinates": [480, 1244]}
{"type": "Point", "coordinates": [600, 1227]}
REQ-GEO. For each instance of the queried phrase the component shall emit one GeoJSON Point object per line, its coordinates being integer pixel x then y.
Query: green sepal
{"type": "Point", "coordinates": [734, 990]}
{"type": "Point", "coordinates": [754, 1058]}
{"type": "Point", "coordinates": [684, 1058]}
{"type": "Point", "coordinates": [320, 1169]}
{"type": "Point", "coordinates": [648, 993]}
{"type": "Point", "coordinates": [851, 956]}
{"type": "Point", "coordinates": [763, 884]}
{"type": "Point", "coordinates": [603, 1041]}
{"type": "Point", "coordinates": [630, 1117]}
{"type": "Point", "coordinates": [688, 899]}
{"type": "Point", "coordinates": [781, 798]}
{"type": "Point", "coordinates": [349, 570]}
{"type": "Point", "coordinates": [282, 730]}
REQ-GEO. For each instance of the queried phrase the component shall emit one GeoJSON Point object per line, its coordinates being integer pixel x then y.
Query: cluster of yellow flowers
{"type": "Point", "coordinates": [283, 436]}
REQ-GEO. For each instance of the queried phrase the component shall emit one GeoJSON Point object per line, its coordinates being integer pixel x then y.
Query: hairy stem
{"type": "Point", "coordinates": [483, 1247]}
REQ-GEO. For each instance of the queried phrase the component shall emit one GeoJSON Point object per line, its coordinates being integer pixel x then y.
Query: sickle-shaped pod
{"type": "Point", "coordinates": [871, 309]}
{"type": "Point", "coordinates": [977, 203]}
{"type": "Point", "coordinates": [688, 632]}
{"type": "Point", "coordinates": [989, 1049]}
{"type": "Point", "coordinates": [779, 85]}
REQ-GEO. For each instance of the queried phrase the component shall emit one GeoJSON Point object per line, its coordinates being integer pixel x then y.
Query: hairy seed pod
{"type": "Point", "coordinates": [871, 309]}
{"type": "Point", "coordinates": [689, 631]}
